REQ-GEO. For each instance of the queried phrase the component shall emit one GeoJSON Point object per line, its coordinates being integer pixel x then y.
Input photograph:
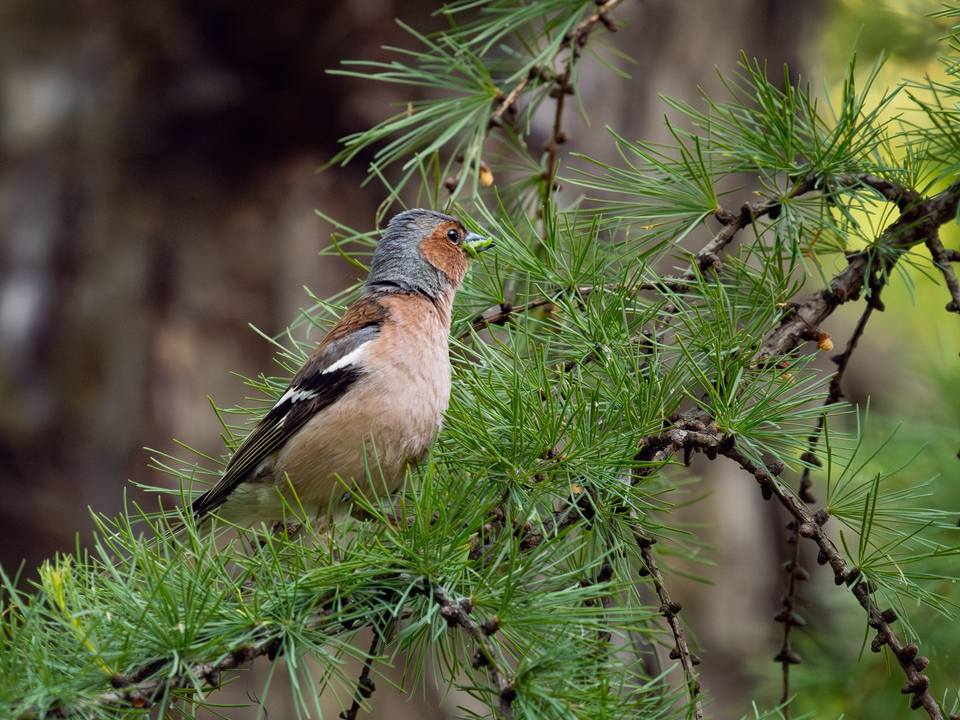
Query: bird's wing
{"type": "Point", "coordinates": [323, 379]}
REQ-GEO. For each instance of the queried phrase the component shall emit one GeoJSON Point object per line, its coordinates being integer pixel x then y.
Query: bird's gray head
{"type": "Point", "coordinates": [423, 251]}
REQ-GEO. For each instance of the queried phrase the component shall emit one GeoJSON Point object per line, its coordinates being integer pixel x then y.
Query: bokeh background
{"type": "Point", "coordinates": [157, 197]}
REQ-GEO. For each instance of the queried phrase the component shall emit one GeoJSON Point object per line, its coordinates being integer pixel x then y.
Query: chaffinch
{"type": "Point", "coordinates": [372, 395]}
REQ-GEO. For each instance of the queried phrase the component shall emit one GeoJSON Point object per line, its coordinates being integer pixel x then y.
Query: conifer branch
{"type": "Point", "coordinates": [506, 313]}
{"type": "Point", "coordinates": [670, 609]}
{"type": "Point", "coordinates": [457, 613]}
{"type": "Point", "coordinates": [708, 257]}
{"type": "Point", "coordinates": [578, 37]}
{"type": "Point", "coordinates": [145, 688]}
{"type": "Point", "coordinates": [575, 41]}
{"type": "Point", "coordinates": [365, 686]}
{"type": "Point", "coordinates": [810, 525]}
{"type": "Point", "coordinates": [789, 616]}
{"type": "Point", "coordinates": [694, 432]}
{"type": "Point", "coordinates": [918, 222]}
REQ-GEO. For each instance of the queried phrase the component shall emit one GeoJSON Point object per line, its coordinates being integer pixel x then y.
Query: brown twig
{"type": "Point", "coordinates": [918, 219]}
{"type": "Point", "coordinates": [532, 536]}
{"type": "Point", "coordinates": [810, 525]}
{"type": "Point", "coordinates": [134, 691]}
{"type": "Point", "coordinates": [835, 392]}
{"type": "Point", "coordinates": [365, 686]}
{"type": "Point", "coordinates": [577, 37]}
{"type": "Point", "coordinates": [901, 196]}
{"type": "Point", "coordinates": [918, 222]}
{"type": "Point", "coordinates": [669, 610]}
{"type": "Point", "coordinates": [557, 138]}
{"type": "Point", "coordinates": [789, 616]}
{"type": "Point", "coordinates": [507, 102]}
{"type": "Point", "coordinates": [457, 613]}
{"type": "Point", "coordinates": [708, 257]}
{"type": "Point", "coordinates": [943, 258]}
{"type": "Point", "coordinates": [575, 40]}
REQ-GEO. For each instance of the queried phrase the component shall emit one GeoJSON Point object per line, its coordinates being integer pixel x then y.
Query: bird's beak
{"type": "Point", "coordinates": [475, 244]}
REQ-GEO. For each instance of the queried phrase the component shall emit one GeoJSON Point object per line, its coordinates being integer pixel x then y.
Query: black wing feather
{"type": "Point", "coordinates": [284, 419]}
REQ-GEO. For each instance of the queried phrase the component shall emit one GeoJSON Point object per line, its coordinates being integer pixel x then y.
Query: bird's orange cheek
{"type": "Point", "coordinates": [445, 256]}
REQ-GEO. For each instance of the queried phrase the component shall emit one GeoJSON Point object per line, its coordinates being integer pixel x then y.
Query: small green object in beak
{"type": "Point", "coordinates": [475, 244]}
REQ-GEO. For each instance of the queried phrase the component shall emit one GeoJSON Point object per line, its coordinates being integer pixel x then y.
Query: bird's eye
{"type": "Point", "coordinates": [453, 236]}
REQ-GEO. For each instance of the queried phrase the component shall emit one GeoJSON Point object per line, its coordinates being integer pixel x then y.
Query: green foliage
{"type": "Point", "coordinates": [578, 353]}
{"type": "Point", "coordinates": [899, 531]}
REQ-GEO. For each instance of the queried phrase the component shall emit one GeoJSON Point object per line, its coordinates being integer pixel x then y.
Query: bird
{"type": "Point", "coordinates": [370, 398]}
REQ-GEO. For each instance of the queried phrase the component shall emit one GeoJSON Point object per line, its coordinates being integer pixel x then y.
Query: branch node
{"type": "Point", "coordinates": [790, 618]}
{"type": "Point", "coordinates": [608, 22]}
{"type": "Point", "coordinates": [776, 467]}
{"type": "Point", "coordinates": [810, 459]}
{"type": "Point", "coordinates": [644, 540]}
{"type": "Point", "coordinates": [212, 676]}
{"type": "Point", "coordinates": [274, 649]}
{"type": "Point", "coordinates": [450, 614]}
{"type": "Point", "coordinates": [917, 685]}
{"type": "Point", "coordinates": [480, 659]}
{"type": "Point", "coordinates": [366, 687]}
{"type": "Point", "coordinates": [670, 608]}
{"type": "Point", "coordinates": [788, 656]}
{"type": "Point", "coordinates": [878, 642]}
{"type": "Point", "coordinates": [724, 216]}
{"type": "Point", "coordinates": [491, 626]}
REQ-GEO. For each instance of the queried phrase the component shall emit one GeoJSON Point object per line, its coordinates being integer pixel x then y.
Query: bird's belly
{"type": "Point", "coordinates": [364, 441]}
